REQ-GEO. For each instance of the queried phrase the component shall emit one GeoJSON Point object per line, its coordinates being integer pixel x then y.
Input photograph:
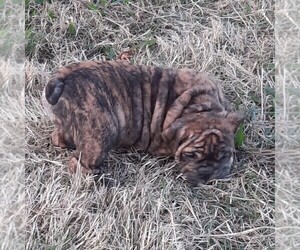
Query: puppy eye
{"type": "Point", "coordinates": [189, 155]}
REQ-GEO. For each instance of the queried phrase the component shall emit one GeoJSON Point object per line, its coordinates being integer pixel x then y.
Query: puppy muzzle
{"type": "Point", "coordinates": [205, 173]}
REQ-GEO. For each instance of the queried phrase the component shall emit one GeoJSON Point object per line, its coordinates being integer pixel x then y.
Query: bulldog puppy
{"type": "Point", "coordinates": [97, 106]}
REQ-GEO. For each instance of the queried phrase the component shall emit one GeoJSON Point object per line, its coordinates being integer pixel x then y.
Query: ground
{"type": "Point", "coordinates": [148, 207]}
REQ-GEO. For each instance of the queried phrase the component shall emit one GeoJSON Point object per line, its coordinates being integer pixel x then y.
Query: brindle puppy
{"type": "Point", "coordinates": [97, 106]}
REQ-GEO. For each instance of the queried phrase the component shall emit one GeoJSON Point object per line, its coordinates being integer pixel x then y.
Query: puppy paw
{"type": "Point", "coordinates": [57, 139]}
{"type": "Point", "coordinates": [75, 166]}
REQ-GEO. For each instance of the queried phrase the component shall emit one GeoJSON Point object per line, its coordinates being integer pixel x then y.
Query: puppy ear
{"type": "Point", "coordinates": [181, 102]}
{"type": "Point", "coordinates": [235, 119]}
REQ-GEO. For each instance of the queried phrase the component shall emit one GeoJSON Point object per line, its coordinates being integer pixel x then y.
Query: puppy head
{"type": "Point", "coordinates": [204, 144]}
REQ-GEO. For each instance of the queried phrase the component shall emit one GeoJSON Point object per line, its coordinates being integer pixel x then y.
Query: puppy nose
{"type": "Point", "coordinates": [224, 173]}
{"type": "Point", "coordinates": [192, 178]}
{"type": "Point", "coordinates": [202, 181]}
{"type": "Point", "coordinates": [196, 179]}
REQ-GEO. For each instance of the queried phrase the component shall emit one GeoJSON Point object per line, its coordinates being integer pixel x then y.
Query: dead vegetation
{"type": "Point", "coordinates": [287, 125]}
{"type": "Point", "coordinates": [146, 206]}
{"type": "Point", "coordinates": [12, 136]}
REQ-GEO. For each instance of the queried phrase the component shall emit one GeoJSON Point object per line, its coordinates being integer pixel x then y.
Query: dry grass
{"type": "Point", "coordinates": [146, 206]}
{"type": "Point", "coordinates": [288, 125]}
{"type": "Point", "coordinates": [12, 136]}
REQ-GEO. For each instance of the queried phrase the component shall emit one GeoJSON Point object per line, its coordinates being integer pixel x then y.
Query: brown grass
{"type": "Point", "coordinates": [287, 125]}
{"type": "Point", "coordinates": [147, 206]}
{"type": "Point", "coordinates": [12, 126]}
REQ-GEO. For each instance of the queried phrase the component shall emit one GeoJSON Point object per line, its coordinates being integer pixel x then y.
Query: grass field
{"type": "Point", "coordinates": [287, 125]}
{"type": "Point", "coordinates": [147, 206]}
{"type": "Point", "coordinates": [12, 126]}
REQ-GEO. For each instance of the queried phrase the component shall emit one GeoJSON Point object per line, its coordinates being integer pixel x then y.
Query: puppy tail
{"type": "Point", "coordinates": [53, 90]}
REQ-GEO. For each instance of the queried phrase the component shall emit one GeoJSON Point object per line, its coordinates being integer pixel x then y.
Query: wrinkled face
{"type": "Point", "coordinates": [204, 145]}
{"type": "Point", "coordinates": [206, 156]}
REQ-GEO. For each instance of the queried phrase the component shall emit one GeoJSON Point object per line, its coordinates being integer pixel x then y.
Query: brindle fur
{"type": "Point", "coordinates": [97, 106]}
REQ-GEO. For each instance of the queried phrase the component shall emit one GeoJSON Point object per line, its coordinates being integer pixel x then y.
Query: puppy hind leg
{"type": "Point", "coordinates": [92, 147]}
{"type": "Point", "coordinates": [57, 137]}
{"type": "Point", "coordinates": [74, 164]}
{"type": "Point", "coordinates": [91, 156]}
{"type": "Point", "coordinates": [61, 139]}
